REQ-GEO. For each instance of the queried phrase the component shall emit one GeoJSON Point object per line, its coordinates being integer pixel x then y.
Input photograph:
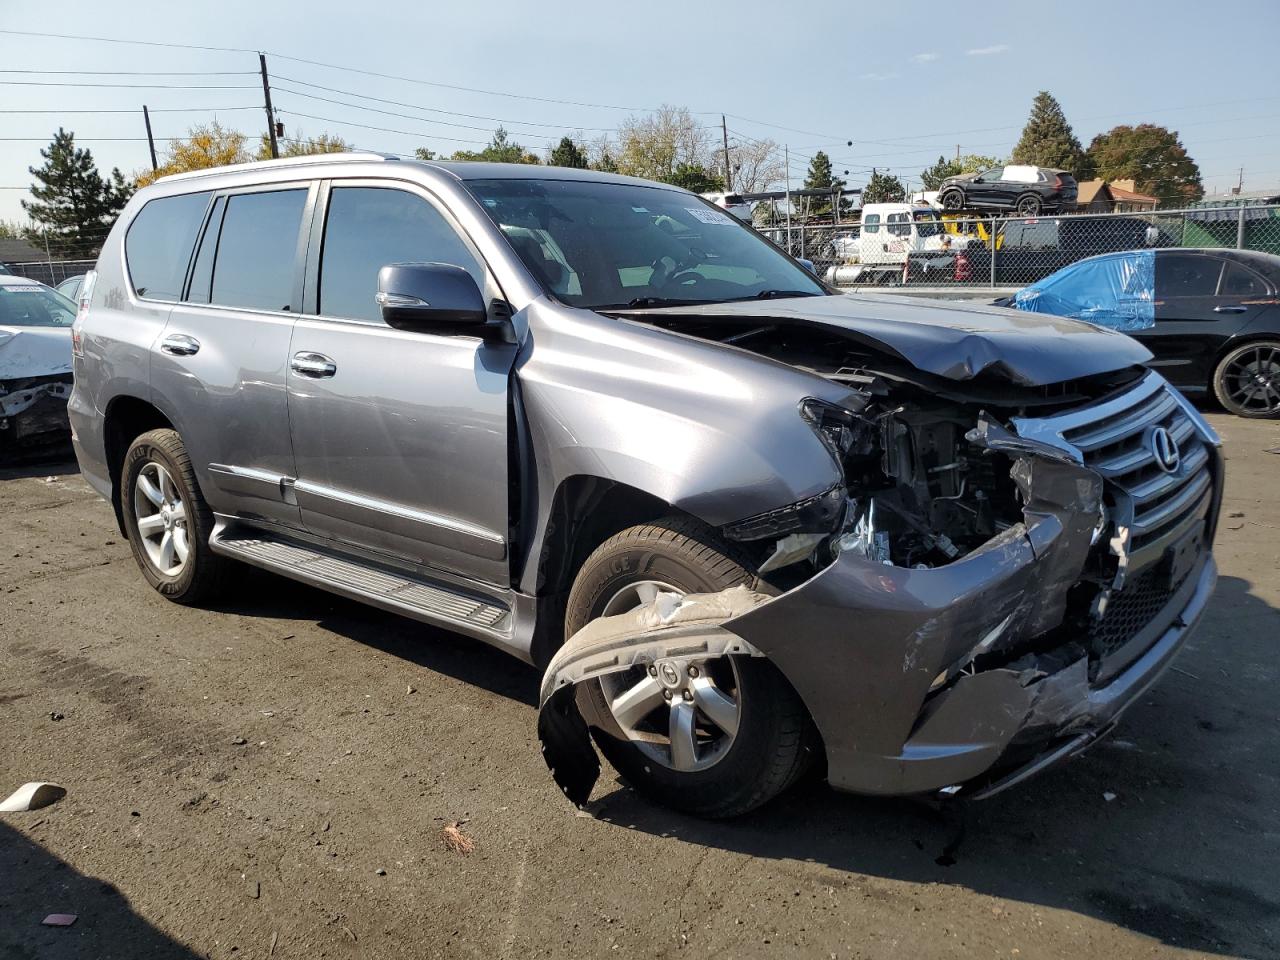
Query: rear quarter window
{"type": "Point", "coordinates": [158, 244]}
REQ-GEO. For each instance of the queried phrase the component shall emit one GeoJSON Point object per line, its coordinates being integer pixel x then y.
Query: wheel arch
{"type": "Point", "coordinates": [126, 418]}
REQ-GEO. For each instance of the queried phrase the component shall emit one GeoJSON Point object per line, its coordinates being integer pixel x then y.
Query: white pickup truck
{"type": "Point", "coordinates": [891, 234]}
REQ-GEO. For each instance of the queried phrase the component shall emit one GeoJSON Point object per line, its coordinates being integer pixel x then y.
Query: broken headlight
{"type": "Point", "coordinates": [818, 514]}
{"type": "Point", "coordinates": [841, 431]}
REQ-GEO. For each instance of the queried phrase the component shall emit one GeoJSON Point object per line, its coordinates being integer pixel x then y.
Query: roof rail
{"type": "Point", "coordinates": [303, 161]}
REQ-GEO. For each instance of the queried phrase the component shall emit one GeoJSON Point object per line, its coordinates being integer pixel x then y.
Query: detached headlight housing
{"type": "Point", "coordinates": [841, 431]}
{"type": "Point", "coordinates": [818, 514]}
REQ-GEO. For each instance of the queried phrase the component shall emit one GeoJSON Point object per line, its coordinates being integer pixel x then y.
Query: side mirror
{"type": "Point", "coordinates": [436, 297]}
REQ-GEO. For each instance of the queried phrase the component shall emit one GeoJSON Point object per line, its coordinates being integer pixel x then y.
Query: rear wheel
{"type": "Point", "coordinates": [952, 199]}
{"type": "Point", "coordinates": [715, 737]}
{"type": "Point", "coordinates": [1029, 204]}
{"type": "Point", "coordinates": [1247, 381]}
{"type": "Point", "coordinates": [167, 520]}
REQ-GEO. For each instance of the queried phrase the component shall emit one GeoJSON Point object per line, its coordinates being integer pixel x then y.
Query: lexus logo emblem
{"type": "Point", "coordinates": [1165, 450]}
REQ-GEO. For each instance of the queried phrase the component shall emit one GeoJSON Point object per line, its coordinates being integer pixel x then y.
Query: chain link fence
{"type": "Point", "coordinates": [52, 272]}
{"type": "Point", "coordinates": [926, 247]}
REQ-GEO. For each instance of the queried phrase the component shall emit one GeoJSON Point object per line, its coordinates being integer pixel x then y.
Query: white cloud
{"type": "Point", "coordinates": [987, 51]}
{"type": "Point", "coordinates": [878, 76]}
{"type": "Point", "coordinates": [925, 57]}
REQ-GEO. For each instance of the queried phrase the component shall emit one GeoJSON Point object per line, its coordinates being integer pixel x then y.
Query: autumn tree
{"type": "Point", "coordinates": [1048, 140]}
{"type": "Point", "coordinates": [661, 144]}
{"type": "Point", "coordinates": [757, 165]}
{"type": "Point", "coordinates": [303, 146]}
{"type": "Point", "coordinates": [1150, 155]}
{"type": "Point", "coordinates": [205, 146]}
{"type": "Point", "coordinates": [500, 149]}
{"type": "Point", "coordinates": [883, 188]}
{"type": "Point", "coordinates": [72, 206]}
{"type": "Point", "coordinates": [567, 153]}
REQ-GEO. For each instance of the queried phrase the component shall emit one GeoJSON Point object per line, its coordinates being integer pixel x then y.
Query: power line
{"type": "Point", "coordinates": [135, 110]}
{"type": "Point", "coordinates": [127, 86]}
{"type": "Point", "coordinates": [136, 73]}
{"type": "Point", "coordinates": [141, 43]}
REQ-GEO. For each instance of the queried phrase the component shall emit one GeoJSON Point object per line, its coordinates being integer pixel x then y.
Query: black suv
{"type": "Point", "coordinates": [1028, 190]}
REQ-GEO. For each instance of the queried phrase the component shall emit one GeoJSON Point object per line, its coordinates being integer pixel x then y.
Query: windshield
{"type": "Point", "coordinates": [928, 224]}
{"type": "Point", "coordinates": [33, 305]}
{"type": "Point", "coordinates": [609, 245]}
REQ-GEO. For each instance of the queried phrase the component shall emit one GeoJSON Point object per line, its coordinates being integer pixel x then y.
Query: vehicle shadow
{"type": "Point", "coordinates": [259, 593]}
{"type": "Point", "coordinates": [1164, 829]}
{"type": "Point", "coordinates": [34, 883]}
{"type": "Point", "coordinates": [58, 463]}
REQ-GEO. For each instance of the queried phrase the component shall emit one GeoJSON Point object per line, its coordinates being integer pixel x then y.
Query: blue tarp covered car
{"type": "Point", "coordinates": [1114, 290]}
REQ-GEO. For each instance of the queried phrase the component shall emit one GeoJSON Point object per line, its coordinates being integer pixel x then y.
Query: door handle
{"type": "Point", "coordinates": [1226, 309]}
{"type": "Point", "coordinates": [180, 345]}
{"type": "Point", "coordinates": [313, 365]}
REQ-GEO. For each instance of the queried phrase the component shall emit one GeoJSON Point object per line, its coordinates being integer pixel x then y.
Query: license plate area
{"type": "Point", "coordinates": [1180, 558]}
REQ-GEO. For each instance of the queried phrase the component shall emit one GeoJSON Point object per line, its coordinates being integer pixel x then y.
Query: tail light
{"type": "Point", "coordinates": [1057, 182]}
{"type": "Point", "coordinates": [82, 311]}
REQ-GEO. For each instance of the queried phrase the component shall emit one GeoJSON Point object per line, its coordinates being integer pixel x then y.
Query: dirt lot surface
{"type": "Point", "coordinates": [273, 777]}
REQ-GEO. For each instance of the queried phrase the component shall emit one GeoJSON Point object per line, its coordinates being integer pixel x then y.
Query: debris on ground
{"type": "Point", "coordinates": [59, 920]}
{"type": "Point", "coordinates": [456, 840]}
{"type": "Point", "coordinates": [239, 741]}
{"type": "Point", "coordinates": [32, 796]}
{"type": "Point", "coordinates": [380, 872]}
{"type": "Point", "coordinates": [1108, 796]}
{"type": "Point", "coordinates": [1235, 513]}
{"type": "Point", "coordinates": [411, 689]}
{"type": "Point", "coordinates": [55, 716]}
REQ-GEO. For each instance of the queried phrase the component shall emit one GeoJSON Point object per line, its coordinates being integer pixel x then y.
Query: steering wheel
{"type": "Point", "coordinates": [667, 271]}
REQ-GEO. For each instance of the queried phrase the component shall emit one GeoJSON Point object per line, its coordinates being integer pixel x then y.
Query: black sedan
{"type": "Point", "coordinates": [1211, 317]}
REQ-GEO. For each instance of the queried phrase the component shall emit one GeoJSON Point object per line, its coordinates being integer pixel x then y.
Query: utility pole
{"type": "Point", "coordinates": [151, 141]}
{"type": "Point", "coordinates": [957, 153]}
{"type": "Point", "coordinates": [271, 116]}
{"type": "Point", "coordinates": [728, 170]}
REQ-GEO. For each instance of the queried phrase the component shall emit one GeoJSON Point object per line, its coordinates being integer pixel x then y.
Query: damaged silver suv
{"type": "Point", "coordinates": [744, 522]}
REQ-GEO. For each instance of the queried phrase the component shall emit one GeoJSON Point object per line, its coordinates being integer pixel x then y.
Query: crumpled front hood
{"type": "Point", "coordinates": [34, 352]}
{"type": "Point", "coordinates": [953, 339]}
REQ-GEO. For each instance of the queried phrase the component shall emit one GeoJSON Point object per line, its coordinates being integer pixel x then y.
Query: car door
{"type": "Point", "coordinates": [986, 188]}
{"type": "Point", "coordinates": [1190, 326]}
{"type": "Point", "coordinates": [399, 438]}
{"type": "Point", "coordinates": [221, 360]}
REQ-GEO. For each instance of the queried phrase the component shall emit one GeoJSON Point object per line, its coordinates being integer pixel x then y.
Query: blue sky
{"type": "Point", "coordinates": [903, 82]}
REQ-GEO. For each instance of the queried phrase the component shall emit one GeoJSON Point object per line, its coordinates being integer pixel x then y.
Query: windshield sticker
{"type": "Point", "coordinates": [709, 216]}
{"type": "Point", "coordinates": [25, 288]}
{"type": "Point", "coordinates": [639, 209]}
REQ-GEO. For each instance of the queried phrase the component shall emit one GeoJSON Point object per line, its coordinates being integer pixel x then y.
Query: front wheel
{"type": "Point", "coordinates": [167, 520]}
{"type": "Point", "coordinates": [952, 200]}
{"type": "Point", "coordinates": [715, 738]}
{"type": "Point", "coordinates": [1247, 380]}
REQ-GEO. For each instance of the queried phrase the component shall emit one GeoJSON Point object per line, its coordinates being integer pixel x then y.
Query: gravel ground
{"type": "Point", "coordinates": [275, 777]}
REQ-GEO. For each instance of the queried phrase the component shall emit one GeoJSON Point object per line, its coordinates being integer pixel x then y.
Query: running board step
{"type": "Point", "coordinates": [361, 581]}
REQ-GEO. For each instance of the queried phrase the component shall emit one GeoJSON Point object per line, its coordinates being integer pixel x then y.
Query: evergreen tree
{"type": "Point", "coordinates": [422, 153]}
{"type": "Point", "coordinates": [934, 175]}
{"type": "Point", "coordinates": [883, 188]}
{"type": "Point", "coordinates": [1152, 157]}
{"type": "Point", "coordinates": [606, 163]}
{"type": "Point", "coordinates": [500, 149]}
{"type": "Point", "coordinates": [1048, 141]}
{"type": "Point", "coordinates": [822, 177]}
{"type": "Point", "coordinates": [568, 154]}
{"type": "Point", "coordinates": [73, 207]}
{"type": "Point", "coordinates": [696, 177]}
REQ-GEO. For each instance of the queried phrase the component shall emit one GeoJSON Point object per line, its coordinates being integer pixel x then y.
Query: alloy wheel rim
{"type": "Point", "coordinates": [682, 715]}
{"type": "Point", "coordinates": [161, 516]}
{"type": "Point", "coordinates": [1252, 380]}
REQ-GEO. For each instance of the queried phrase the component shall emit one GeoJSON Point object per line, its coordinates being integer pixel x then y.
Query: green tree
{"type": "Point", "coordinates": [72, 206]}
{"type": "Point", "coordinates": [933, 176]}
{"type": "Point", "coordinates": [977, 162]}
{"type": "Point", "coordinates": [696, 177]}
{"type": "Point", "coordinates": [605, 162]}
{"type": "Point", "coordinates": [205, 146]}
{"type": "Point", "coordinates": [10, 230]}
{"type": "Point", "coordinates": [822, 177]}
{"type": "Point", "coordinates": [1153, 157]}
{"type": "Point", "coordinates": [568, 154]}
{"type": "Point", "coordinates": [303, 146]}
{"type": "Point", "coordinates": [883, 188]}
{"type": "Point", "coordinates": [500, 149]}
{"type": "Point", "coordinates": [1048, 140]}
{"type": "Point", "coordinates": [422, 153]}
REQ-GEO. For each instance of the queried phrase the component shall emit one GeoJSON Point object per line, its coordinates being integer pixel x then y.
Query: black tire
{"type": "Point", "coordinates": [772, 746]}
{"type": "Point", "coordinates": [1029, 205]}
{"type": "Point", "coordinates": [1260, 355]}
{"type": "Point", "coordinates": [203, 571]}
{"type": "Point", "coordinates": [952, 199]}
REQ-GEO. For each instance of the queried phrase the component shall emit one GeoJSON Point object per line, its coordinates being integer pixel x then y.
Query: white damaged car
{"type": "Point", "coordinates": [35, 364]}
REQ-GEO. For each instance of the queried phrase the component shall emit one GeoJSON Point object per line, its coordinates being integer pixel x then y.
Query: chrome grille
{"type": "Point", "coordinates": [1149, 500]}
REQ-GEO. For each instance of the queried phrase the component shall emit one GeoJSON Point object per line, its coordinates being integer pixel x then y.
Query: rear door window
{"type": "Point", "coordinates": [871, 223]}
{"type": "Point", "coordinates": [258, 250]}
{"type": "Point", "coordinates": [1238, 281]}
{"type": "Point", "coordinates": [157, 247]}
{"type": "Point", "coordinates": [1181, 275]}
{"type": "Point", "coordinates": [899, 224]}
